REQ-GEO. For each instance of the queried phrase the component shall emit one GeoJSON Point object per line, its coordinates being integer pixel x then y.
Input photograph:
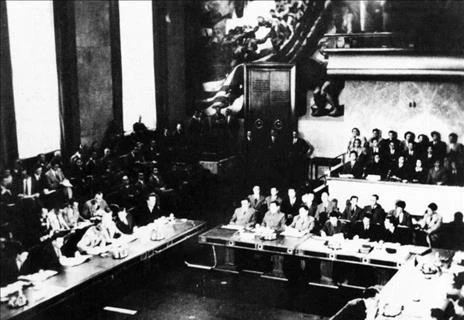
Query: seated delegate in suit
{"type": "Point", "coordinates": [375, 209]}
{"type": "Point", "coordinates": [360, 308]}
{"type": "Point", "coordinates": [376, 167]}
{"type": "Point", "coordinates": [401, 172]}
{"type": "Point", "coordinates": [402, 217]}
{"type": "Point", "coordinates": [148, 211]}
{"type": "Point", "coordinates": [274, 219]}
{"type": "Point", "coordinates": [437, 175]}
{"type": "Point", "coordinates": [332, 226]}
{"type": "Point", "coordinates": [353, 167]}
{"type": "Point", "coordinates": [99, 237]}
{"type": "Point", "coordinates": [352, 211]}
{"type": "Point", "coordinates": [431, 224]}
{"type": "Point", "coordinates": [366, 229]}
{"type": "Point", "coordinates": [290, 205]}
{"type": "Point", "coordinates": [244, 216]}
{"type": "Point", "coordinates": [95, 206]}
{"type": "Point", "coordinates": [390, 232]}
{"type": "Point", "coordinates": [303, 222]}
{"type": "Point", "coordinates": [419, 173]}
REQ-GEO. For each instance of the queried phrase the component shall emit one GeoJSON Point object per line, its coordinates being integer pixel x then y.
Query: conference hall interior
{"type": "Point", "coordinates": [232, 159]}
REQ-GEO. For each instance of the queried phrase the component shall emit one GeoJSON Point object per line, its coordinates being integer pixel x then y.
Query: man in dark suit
{"type": "Point", "coordinates": [375, 209]}
{"type": "Point", "coordinates": [298, 159]}
{"type": "Point", "coordinates": [437, 174]}
{"type": "Point", "coordinates": [353, 167]}
{"type": "Point", "coordinates": [411, 154]}
{"type": "Point", "coordinates": [258, 203]}
{"type": "Point", "coordinates": [439, 147]}
{"type": "Point", "coordinates": [402, 217]}
{"type": "Point", "coordinates": [126, 193]}
{"type": "Point", "coordinates": [290, 205]}
{"type": "Point", "coordinates": [390, 232]}
{"type": "Point", "coordinates": [148, 211]}
{"type": "Point", "coordinates": [365, 229]}
{"type": "Point", "coordinates": [352, 211]}
{"type": "Point", "coordinates": [376, 167]}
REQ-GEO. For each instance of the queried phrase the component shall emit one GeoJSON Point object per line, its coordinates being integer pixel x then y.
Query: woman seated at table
{"type": "Point", "coordinates": [303, 222]}
{"type": "Point", "coordinates": [97, 239]}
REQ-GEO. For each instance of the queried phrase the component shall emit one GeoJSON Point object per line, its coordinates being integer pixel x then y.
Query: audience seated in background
{"type": "Point", "coordinates": [437, 174]}
{"type": "Point", "coordinates": [94, 207]}
{"type": "Point", "coordinates": [419, 173]}
{"type": "Point", "coordinates": [353, 167]}
{"type": "Point", "coordinates": [406, 161]}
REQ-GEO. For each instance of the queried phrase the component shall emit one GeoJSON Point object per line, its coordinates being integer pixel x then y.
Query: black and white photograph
{"type": "Point", "coordinates": [232, 159]}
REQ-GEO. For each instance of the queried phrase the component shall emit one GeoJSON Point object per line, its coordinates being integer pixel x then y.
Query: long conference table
{"type": "Point", "coordinates": [416, 293]}
{"type": "Point", "coordinates": [312, 246]}
{"type": "Point", "coordinates": [62, 286]}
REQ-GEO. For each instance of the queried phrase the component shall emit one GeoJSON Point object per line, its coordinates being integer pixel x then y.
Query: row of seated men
{"type": "Point", "coordinates": [69, 236]}
{"type": "Point", "coordinates": [371, 222]}
{"type": "Point", "coordinates": [422, 161]}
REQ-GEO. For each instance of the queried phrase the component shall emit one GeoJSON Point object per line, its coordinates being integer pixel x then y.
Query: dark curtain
{"type": "Point", "coordinates": [65, 37]}
{"type": "Point", "coordinates": [8, 139]}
